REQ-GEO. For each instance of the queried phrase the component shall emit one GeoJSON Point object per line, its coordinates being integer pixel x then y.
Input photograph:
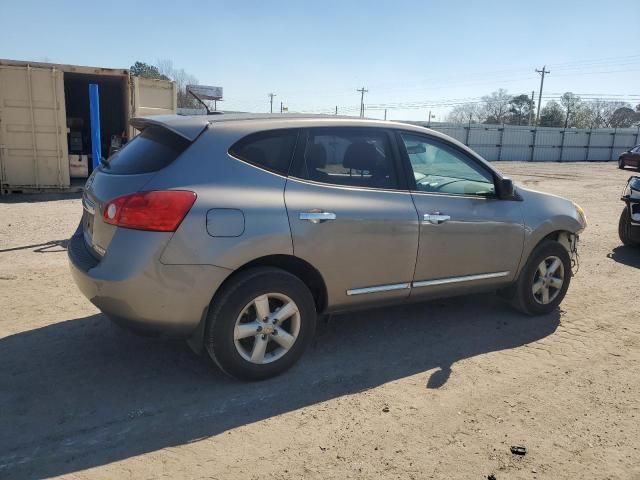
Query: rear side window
{"type": "Point", "coordinates": [271, 150]}
{"type": "Point", "coordinates": [153, 149]}
{"type": "Point", "coordinates": [349, 156]}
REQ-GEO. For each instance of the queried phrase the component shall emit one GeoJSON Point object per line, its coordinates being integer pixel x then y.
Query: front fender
{"type": "Point", "coordinates": [546, 215]}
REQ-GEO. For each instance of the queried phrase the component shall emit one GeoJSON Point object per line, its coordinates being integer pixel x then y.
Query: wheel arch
{"type": "Point", "coordinates": [298, 267]}
{"type": "Point", "coordinates": [564, 236]}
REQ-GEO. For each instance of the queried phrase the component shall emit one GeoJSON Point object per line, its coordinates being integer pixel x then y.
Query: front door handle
{"type": "Point", "coordinates": [317, 217]}
{"type": "Point", "coordinates": [436, 218]}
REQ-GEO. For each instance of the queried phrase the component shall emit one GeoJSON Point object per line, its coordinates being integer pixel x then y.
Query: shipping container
{"type": "Point", "coordinates": [44, 118]}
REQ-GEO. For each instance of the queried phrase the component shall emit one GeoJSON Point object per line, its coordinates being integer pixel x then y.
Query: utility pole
{"type": "Point", "coordinates": [385, 113]}
{"type": "Point", "coordinates": [542, 73]}
{"type": "Point", "coordinates": [336, 109]}
{"type": "Point", "coordinates": [271, 95]}
{"type": "Point", "coordinates": [280, 107]}
{"type": "Point", "coordinates": [531, 107]}
{"type": "Point", "coordinates": [566, 119]}
{"type": "Point", "coordinates": [362, 92]}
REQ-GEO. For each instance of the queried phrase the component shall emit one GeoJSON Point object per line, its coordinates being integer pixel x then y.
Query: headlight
{"type": "Point", "coordinates": [581, 213]}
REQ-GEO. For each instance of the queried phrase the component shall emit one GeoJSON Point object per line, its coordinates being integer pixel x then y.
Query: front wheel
{"type": "Point", "coordinates": [624, 229]}
{"type": "Point", "coordinates": [260, 323]}
{"type": "Point", "coordinates": [621, 164]}
{"type": "Point", "coordinates": [544, 280]}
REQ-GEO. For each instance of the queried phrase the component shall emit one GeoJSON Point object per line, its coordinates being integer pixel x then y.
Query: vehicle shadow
{"type": "Point", "coordinates": [83, 393]}
{"type": "Point", "coordinates": [51, 246]}
{"type": "Point", "coordinates": [626, 255]}
{"type": "Point", "coordinates": [40, 197]}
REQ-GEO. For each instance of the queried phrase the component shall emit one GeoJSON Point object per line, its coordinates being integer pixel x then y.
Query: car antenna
{"type": "Point", "coordinates": [205, 92]}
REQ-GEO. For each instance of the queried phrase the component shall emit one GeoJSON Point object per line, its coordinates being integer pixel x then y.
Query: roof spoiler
{"type": "Point", "coordinates": [188, 128]}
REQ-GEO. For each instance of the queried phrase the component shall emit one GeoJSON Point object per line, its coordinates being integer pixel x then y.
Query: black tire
{"type": "Point", "coordinates": [523, 298]}
{"type": "Point", "coordinates": [621, 164]}
{"type": "Point", "coordinates": [227, 306]}
{"type": "Point", "coordinates": [624, 229]}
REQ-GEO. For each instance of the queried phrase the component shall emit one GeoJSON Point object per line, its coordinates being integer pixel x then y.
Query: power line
{"type": "Point", "coordinates": [596, 60]}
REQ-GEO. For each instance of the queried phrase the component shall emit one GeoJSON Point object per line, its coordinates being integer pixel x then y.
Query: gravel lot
{"type": "Point", "coordinates": [437, 390]}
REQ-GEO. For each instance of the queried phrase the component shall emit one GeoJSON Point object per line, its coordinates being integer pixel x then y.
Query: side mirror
{"type": "Point", "coordinates": [504, 188]}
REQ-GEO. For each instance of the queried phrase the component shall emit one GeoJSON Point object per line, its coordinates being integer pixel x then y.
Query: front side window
{"type": "Point", "coordinates": [350, 157]}
{"type": "Point", "coordinates": [271, 150]}
{"type": "Point", "coordinates": [439, 168]}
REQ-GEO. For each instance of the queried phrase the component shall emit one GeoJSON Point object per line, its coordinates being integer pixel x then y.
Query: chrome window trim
{"type": "Point", "coordinates": [465, 278]}
{"type": "Point", "coordinates": [348, 187]}
{"type": "Point", "coordinates": [455, 195]}
{"type": "Point", "coordinates": [379, 288]}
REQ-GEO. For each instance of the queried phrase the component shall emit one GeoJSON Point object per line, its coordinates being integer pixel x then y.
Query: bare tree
{"type": "Point", "coordinates": [598, 113]}
{"type": "Point", "coordinates": [465, 113]}
{"type": "Point", "coordinates": [571, 104]}
{"type": "Point", "coordinates": [496, 106]}
{"type": "Point", "coordinates": [182, 79]}
{"type": "Point", "coordinates": [602, 114]}
{"type": "Point", "coordinates": [624, 117]}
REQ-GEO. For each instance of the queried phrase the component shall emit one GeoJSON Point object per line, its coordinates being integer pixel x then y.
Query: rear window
{"type": "Point", "coordinates": [271, 150]}
{"type": "Point", "coordinates": [153, 149]}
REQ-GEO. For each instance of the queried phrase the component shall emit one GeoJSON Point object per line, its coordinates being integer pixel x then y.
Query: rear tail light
{"type": "Point", "coordinates": [157, 211]}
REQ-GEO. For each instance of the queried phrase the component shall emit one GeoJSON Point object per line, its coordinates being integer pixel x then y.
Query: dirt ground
{"type": "Point", "coordinates": [438, 390]}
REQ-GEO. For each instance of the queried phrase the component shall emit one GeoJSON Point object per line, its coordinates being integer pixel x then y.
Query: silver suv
{"type": "Point", "coordinates": [236, 232]}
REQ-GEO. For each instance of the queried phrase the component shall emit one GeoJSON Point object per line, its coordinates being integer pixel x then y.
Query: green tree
{"type": "Point", "coordinates": [519, 108]}
{"type": "Point", "coordinates": [552, 115]}
{"type": "Point", "coordinates": [141, 69]}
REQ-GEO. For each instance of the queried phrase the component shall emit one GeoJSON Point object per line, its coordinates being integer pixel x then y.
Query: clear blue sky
{"type": "Point", "coordinates": [314, 54]}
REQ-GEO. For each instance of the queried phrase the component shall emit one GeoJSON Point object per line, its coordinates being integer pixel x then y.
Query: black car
{"type": "Point", "coordinates": [629, 225]}
{"type": "Point", "coordinates": [631, 158]}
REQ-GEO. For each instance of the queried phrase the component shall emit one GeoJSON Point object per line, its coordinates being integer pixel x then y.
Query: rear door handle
{"type": "Point", "coordinates": [317, 217]}
{"type": "Point", "coordinates": [436, 218]}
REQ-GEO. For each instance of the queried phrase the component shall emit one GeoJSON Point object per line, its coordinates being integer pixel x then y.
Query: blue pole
{"type": "Point", "coordinates": [94, 109]}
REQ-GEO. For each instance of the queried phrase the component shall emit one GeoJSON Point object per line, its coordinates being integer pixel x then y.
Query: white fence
{"type": "Point", "coordinates": [543, 144]}
{"type": "Point", "coordinates": [530, 144]}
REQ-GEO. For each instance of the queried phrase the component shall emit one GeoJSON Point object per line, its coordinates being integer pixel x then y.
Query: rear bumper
{"type": "Point", "coordinates": [132, 287]}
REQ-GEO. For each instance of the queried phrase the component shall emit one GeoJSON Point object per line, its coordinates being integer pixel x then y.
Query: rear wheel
{"type": "Point", "coordinates": [260, 323]}
{"type": "Point", "coordinates": [624, 229]}
{"type": "Point", "coordinates": [544, 280]}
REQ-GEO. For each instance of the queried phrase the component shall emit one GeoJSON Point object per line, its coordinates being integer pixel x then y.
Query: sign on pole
{"type": "Point", "coordinates": [205, 92]}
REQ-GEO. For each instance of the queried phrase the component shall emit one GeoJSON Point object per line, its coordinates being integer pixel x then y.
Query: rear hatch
{"type": "Point", "coordinates": [127, 172]}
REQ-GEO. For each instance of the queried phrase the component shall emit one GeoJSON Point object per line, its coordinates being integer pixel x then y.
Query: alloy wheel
{"type": "Point", "coordinates": [267, 328]}
{"type": "Point", "coordinates": [548, 280]}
